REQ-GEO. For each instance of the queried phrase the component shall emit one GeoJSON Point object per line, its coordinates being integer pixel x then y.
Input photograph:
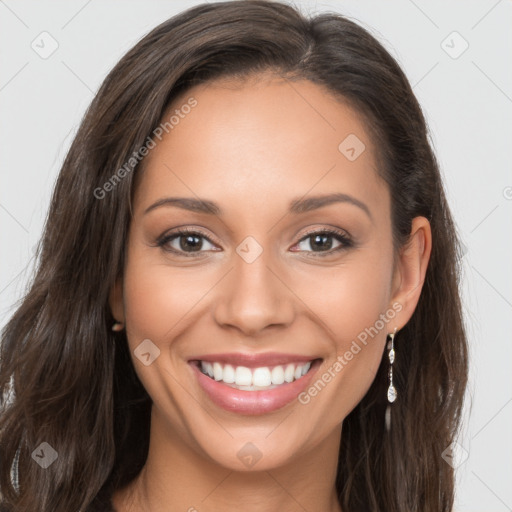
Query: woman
{"type": "Point", "coordinates": [247, 292]}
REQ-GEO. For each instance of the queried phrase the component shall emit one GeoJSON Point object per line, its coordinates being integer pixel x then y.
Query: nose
{"type": "Point", "coordinates": [254, 297]}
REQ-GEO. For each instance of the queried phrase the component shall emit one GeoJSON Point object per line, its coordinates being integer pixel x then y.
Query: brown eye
{"type": "Point", "coordinates": [322, 242]}
{"type": "Point", "coordinates": [185, 242]}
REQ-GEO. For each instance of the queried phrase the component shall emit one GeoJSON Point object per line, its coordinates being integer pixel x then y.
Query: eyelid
{"type": "Point", "coordinates": [330, 230]}
{"type": "Point", "coordinates": [182, 231]}
{"type": "Point", "coordinates": [342, 236]}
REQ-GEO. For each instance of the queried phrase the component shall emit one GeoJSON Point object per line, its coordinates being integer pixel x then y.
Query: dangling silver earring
{"type": "Point", "coordinates": [118, 326]}
{"type": "Point", "coordinates": [391, 389]}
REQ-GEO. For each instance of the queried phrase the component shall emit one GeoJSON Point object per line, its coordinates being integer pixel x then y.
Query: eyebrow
{"type": "Point", "coordinates": [296, 206]}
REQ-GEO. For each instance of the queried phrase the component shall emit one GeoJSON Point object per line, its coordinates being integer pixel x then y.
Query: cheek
{"type": "Point", "coordinates": [353, 303]}
{"type": "Point", "coordinates": [349, 298]}
{"type": "Point", "coordinates": [154, 302]}
{"type": "Point", "coordinates": [157, 296]}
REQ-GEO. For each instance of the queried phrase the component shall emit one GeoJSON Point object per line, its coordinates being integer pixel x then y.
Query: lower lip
{"type": "Point", "coordinates": [253, 402]}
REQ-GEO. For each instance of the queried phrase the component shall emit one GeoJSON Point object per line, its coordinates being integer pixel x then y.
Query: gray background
{"type": "Point", "coordinates": [467, 99]}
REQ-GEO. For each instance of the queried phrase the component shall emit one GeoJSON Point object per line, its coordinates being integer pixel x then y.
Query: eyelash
{"type": "Point", "coordinates": [345, 241]}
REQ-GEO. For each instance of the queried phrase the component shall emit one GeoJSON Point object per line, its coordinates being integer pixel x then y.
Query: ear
{"type": "Point", "coordinates": [115, 300]}
{"type": "Point", "coordinates": [411, 268]}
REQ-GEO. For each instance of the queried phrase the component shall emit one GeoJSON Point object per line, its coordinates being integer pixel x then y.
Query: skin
{"type": "Point", "coordinates": [252, 147]}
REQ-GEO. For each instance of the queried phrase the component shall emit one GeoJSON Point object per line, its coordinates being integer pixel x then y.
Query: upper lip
{"type": "Point", "coordinates": [254, 360]}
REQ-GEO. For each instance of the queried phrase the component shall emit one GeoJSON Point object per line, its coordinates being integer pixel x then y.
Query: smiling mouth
{"type": "Point", "coordinates": [242, 384]}
{"type": "Point", "coordinates": [254, 379]}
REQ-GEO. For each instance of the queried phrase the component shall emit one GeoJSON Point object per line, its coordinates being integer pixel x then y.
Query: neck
{"type": "Point", "coordinates": [177, 477]}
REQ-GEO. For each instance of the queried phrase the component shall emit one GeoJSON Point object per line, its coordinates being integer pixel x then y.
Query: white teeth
{"type": "Point", "coordinates": [278, 375]}
{"type": "Point", "coordinates": [243, 376]}
{"type": "Point", "coordinates": [207, 368]}
{"type": "Point", "coordinates": [229, 374]}
{"type": "Point", "coordinates": [289, 373]}
{"type": "Point", "coordinates": [257, 378]}
{"type": "Point", "coordinates": [261, 377]}
{"type": "Point", "coordinates": [217, 371]}
{"type": "Point", "coordinates": [305, 368]}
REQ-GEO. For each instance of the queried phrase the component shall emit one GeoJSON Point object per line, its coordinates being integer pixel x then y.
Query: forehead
{"type": "Point", "coordinates": [256, 142]}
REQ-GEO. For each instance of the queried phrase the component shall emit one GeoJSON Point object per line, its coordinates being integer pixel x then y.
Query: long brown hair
{"type": "Point", "coordinates": [68, 380]}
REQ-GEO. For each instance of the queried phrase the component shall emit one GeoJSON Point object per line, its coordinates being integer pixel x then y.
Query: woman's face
{"type": "Point", "coordinates": [257, 283]}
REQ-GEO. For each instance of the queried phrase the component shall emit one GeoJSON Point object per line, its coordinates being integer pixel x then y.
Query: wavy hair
{"type": "Point", "coordinates": [68, 380]}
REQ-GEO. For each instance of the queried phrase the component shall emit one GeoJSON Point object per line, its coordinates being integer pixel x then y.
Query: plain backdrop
{"type": "Point", "coordinates": [458, 57]}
